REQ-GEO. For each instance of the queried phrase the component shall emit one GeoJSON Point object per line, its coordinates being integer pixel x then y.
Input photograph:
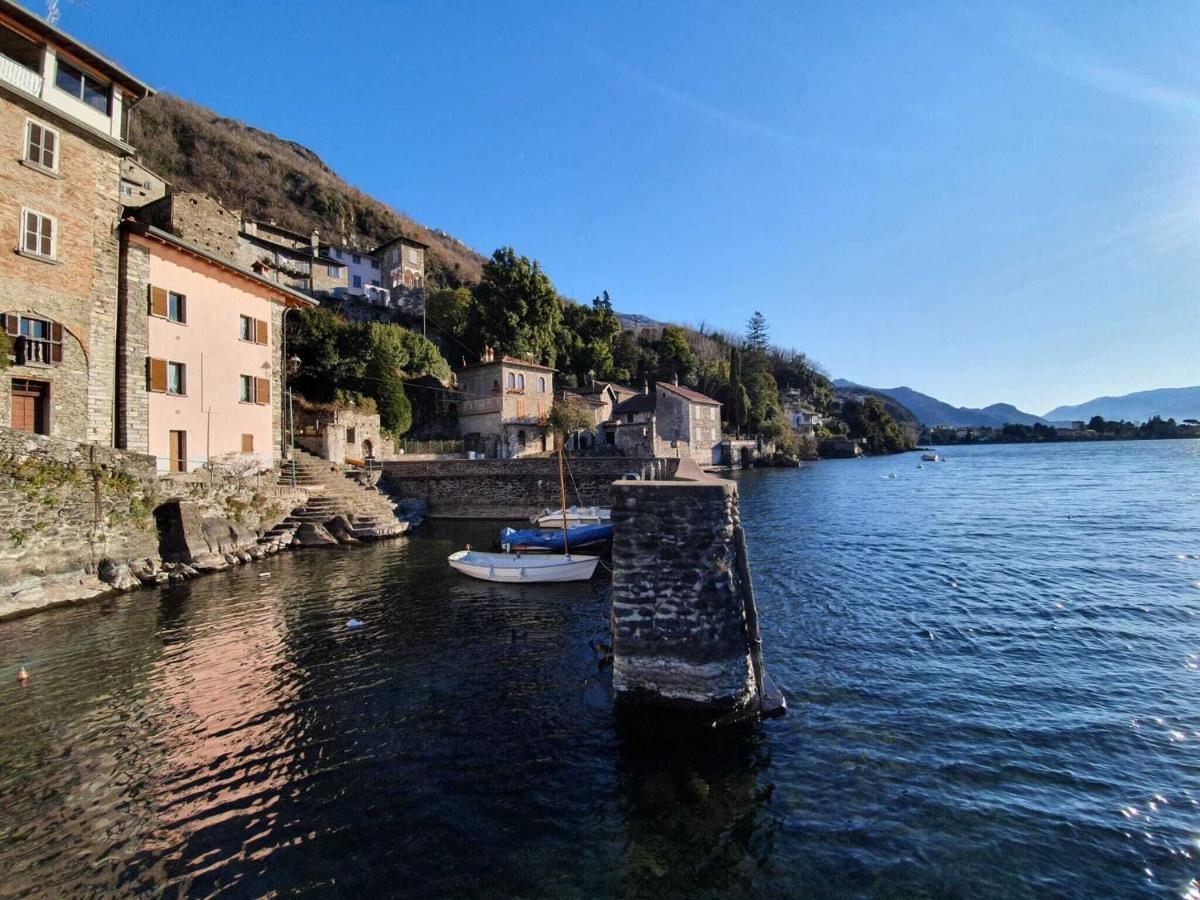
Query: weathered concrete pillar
{"type": "Point", "coordinates": [680, 597]}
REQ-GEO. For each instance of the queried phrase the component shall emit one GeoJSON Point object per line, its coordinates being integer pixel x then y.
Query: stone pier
{"type": "Point", "coordinates": [685, 629]}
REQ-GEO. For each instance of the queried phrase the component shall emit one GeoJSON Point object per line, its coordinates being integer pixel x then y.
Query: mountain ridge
{"type": "Point", "coordinates": [930, 411]}
{"type": "Point", "coordinates": [1139, 406]}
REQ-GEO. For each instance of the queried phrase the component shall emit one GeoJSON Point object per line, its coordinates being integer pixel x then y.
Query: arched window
{"type": "Point", "coordinates": [542, 385]}
{"type": "Point", "coordinates": [512, 381]}
{"type": "Point", "coordinates": [520, 382]}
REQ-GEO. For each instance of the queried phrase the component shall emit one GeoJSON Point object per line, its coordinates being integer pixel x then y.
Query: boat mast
{"type": "Point", "coordinates": [562, 494]}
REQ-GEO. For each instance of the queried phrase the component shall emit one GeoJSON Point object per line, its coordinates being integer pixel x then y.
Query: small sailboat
{"type": "Point", "coordinates": [931, 457]}
{"type": "Point", "coordinates": [530, 539]}
{"type": "Point", "coordinates": [572, 517]}
{"type": "Point", "coordinates": [517, 568]}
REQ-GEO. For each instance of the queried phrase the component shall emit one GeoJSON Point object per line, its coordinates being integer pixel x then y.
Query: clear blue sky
{"type": "Point", "coordinates": [986, 202]}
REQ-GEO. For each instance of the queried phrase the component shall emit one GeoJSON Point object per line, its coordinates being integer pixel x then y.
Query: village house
{"type": "Point", "coordinates": [799, 414]}
{"type": "Point", "coordinates": [669, 421]}
{"type": "Point", "coordinates": [289, 258]}
{"type": "Point", "coordinates": [599, 398]}
{"type": "Point", "coordinates": [502, 403]}
{"type": "Point", "coordinates": [199, 363]}
{"type": "Point", "coordinates": [363, 277]}
{"type": "Point", "coordinates": [63, 116]}
{"type": "Point", "coordinates": [402, 272]}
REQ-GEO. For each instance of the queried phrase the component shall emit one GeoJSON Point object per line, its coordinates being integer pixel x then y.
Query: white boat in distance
{"type": "Point", "coordinates": [518, 568]}
{"type": "Point", "coordinates": [931, 457]}
{"type": "Point", "coordinates": [576, 515]}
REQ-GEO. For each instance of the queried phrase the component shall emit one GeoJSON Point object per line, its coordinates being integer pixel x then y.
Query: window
{"type": "Point", "coordinates": [82, 86]}
{"type": "Point", "coordinates": [337, 254]}
{"type": "Point", "coordinates": [520, 438]}
{"type": "Point", "coordinates": [541, 385]}
{"type": "Point", "coordinates": [512, 381]}
{"type": "Point", "coordinates": [358, 281]}
{"type": "Point", "coordinates": [176, 307]}
{"type": "Point", "coordinates": [41, 147]}
{"type": "Point", "coordinates": [176, 378]}
{"type": "Point", "coordinates": [520, 382]}
{"type": "Point", "coordinates": [254, 390]}
{"type": "Point", "coordinates": [253, 330]}
{"type": "Point", "coordinates": [356, 259]}
{"type": "Point", "coordinates": [495, 386]}
{"type": "Point", "coordinates": [375, 266]}
{"type": "Point", "coordinates": [333, 271]}
{"type": "Point", "coordinates": [374, 282]}
{"type": "Point", "coordinates": [37, 234]}
{"type": "Point", "coordinates": [36, 341]}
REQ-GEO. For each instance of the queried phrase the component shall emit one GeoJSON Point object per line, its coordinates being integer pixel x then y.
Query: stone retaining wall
{"type": "Point", "coordinates": [74, 516]}
{"type": "Point", "coordinates": [680, 637]}
{"type": "Point", "coordinates": [509, 488]}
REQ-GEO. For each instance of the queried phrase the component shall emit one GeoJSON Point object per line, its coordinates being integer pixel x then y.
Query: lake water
{"type": "Point", "coordinates": [992, 663]}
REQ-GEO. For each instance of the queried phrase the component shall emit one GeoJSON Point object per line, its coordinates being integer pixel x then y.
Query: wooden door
{"type": "Point", "coordinates": [178, 451]}
{"type": "Point", "coordinates": [29, 406]}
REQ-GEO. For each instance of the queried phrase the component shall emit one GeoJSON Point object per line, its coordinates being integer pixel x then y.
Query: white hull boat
{"type": "Point", "coordinates": [576, 515]}
{"type": "Point", "coordinates": [518, 568]}
{"type": "Point", "coordinates": [931, 457]}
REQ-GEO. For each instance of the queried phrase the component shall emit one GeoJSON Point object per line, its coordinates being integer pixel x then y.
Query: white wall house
{"type": "Point", "coordinates": [363, 275]}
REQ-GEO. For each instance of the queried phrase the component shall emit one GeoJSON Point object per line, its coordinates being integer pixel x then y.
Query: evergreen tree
{"type": "Point", "coordinates": [738, 399]}
{"type": "Point", "coordinates": [516, 309]}
{"type": "Point", "coordinates": [758, 335]}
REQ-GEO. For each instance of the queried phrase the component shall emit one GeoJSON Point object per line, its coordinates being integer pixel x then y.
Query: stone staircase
{"type": "Point", "coordinates": [339, 510]}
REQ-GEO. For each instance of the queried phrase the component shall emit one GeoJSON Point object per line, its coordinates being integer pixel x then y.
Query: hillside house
{"type": "Point", "coordinates": [402, 272]}
{"type": "Point", "coordinates": [600, 398]}
{"type": "Point", "coordinates": [363, 275]}
{"type": "Point", "coordinates": [668, 421]}
{"type": "Point", "coordinates": [502, 402]}
{"type": "Point", "coordinates": [199, 354]}
{"type": "Point", "coordinates": [63, 118]}
{"type": "Point", "coordinates": [290, 258]}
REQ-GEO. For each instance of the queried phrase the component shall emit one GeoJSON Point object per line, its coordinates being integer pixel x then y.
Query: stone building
{"type": "Point", "coordinates": [290, 258]}
{"type": "Point", "coordinates": [63, 117]}
{"type": "Point", "coordinates": [197, 218]}
{"type": "Point", "coordinates": [340, 434]}
{"type": "Point", "coordinates": [669, 421]}
{"type": "Point", "coordinates": [199, 372]}
{"type": "Point", "coordinates": [363, 276]}
{"type": "Point", "coordinates": [501, 406]}
{"type": "Point", "coordinates": [402, 272]}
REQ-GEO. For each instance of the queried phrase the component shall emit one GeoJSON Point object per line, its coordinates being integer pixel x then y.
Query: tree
{"type": "Point", "coordinates": [516, 309]}
{"type": "Point", "coordinates": [758, 335]}
{"type": "Point", "coordinates": [870, 422]}
{"type": "Point", "coordinates": [765, 414]}
{"type": "Point", "coordinates": [566, 417]}
{"type": "Point", "coordinates": [675, 356]}
{"type": "Point", "coordinates": [1097, 423]}
{"type": "Point", "coordinates": [739, 401]}
{"type": "Point", "coordinates": [447, 310]}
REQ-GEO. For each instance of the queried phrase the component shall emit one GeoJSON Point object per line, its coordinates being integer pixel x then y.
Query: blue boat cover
{"type": "Point", "coordinates": [578, 536]}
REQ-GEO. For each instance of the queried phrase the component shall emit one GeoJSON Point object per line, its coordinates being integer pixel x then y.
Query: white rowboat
{"type": "Point", "coordinates": [518, 568]}
{"type": "Point", "coordinates": [576, 515]}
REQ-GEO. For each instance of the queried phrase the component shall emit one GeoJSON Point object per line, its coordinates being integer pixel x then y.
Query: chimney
{"type": "Point", "coordinates": [676, 379]}
{"type": "Point", "coordinates": [315, 241]}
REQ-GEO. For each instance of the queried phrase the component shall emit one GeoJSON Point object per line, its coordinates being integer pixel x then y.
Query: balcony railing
{"type": "Point", "coordinates": [12, 72]}
{"type": "Point", "coordinates": [483, 405]}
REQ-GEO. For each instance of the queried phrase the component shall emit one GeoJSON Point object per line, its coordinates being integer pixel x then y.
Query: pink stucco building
{"type": "Point", "coordinates": [199, 354]}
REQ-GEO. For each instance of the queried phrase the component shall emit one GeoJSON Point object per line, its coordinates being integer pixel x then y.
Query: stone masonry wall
{"type": "Point", "coordinates": [678, 616]}
{"type": "Point", "coordinates": [78, 287]}
{"type": "Point", "coordinates": [133, 347]}
{"type": "Point", "coordinates": [508, 488]}
{"type": "Point", "coordinates": [69, 507]}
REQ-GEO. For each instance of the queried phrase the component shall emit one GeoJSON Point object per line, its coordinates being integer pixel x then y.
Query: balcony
{"type": "Point", "coordinates": [19, 76]}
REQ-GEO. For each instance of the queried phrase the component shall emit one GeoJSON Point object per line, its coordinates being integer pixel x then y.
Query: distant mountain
{"type": "Point", "coordinates": [930, 411]}
{"type": "Point", "coordinates": [1170, 403]}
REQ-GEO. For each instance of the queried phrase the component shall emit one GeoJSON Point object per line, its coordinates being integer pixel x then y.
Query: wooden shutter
{"type": "Point", "coordinates": [262, 390]}
{"type": "Point", "coordinates": [157, 374]}
{"type": "Point", "coordinates": [12, 324]}
{"type": "Point", "coordinates": [158, 301]}
{"type": "Point", "coordinates": [56, 347]}
{"type": "Point", "coordinates": [247, 443]}
{"type": "Point", "coordinates": [260, 331]}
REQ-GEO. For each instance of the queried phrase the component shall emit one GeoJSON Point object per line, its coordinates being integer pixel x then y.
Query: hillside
{"type": "Point", "coordinates": [903, 415]}
{"type": "Point", "coordinates": [268, 177]}
{"type": "Point", "coordinates": [1169, 403]}
{"type": "Point", "coordinates": [931, 411]}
